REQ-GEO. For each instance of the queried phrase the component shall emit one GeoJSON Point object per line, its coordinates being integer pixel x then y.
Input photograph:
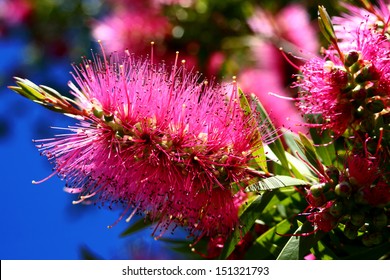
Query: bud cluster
{"type": "Point", "coordinates": [355, 199]}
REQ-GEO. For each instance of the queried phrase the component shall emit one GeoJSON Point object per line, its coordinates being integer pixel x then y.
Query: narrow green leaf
{"type": "Point", "coordinates": [276, 146]}
{"type": "Point", "coordinates": [323, 252]}
{"type": "Point", "coordinates": [326, 152]}
{"type": "Point", "coordinates": [87, 254]}
{"type": "Point", "coordinates": [137, 226]}
{"type": "Point", "coordinates": [31, 90]}
{"type": "Point", "coordinates": [258, 153]}
{"type": "Point", "coordinates": [247, 219]}
{"type": "Point", "coordinates": [325, 24]}
{"type": "Point", "coordinates": [299, 245]}
{"type": "Point", "coordinates": [291, 250]}
{"type": "Point", "coordinates": [310, 152]}
{"type": "Point", "coordinates": [269, 244]}
{"type": "Point", "coordinates": [275, 182]}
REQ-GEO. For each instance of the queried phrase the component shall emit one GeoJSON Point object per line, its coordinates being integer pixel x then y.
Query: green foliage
{"type": "Point", "coordinates": [275, 182]}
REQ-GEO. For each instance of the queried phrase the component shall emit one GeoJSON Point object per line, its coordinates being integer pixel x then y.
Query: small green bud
{"type": "Point", "coordinates": [374, 104]}
{"type": "Point", "coordinates": [343, 189]}
{"type": "Point", "coordinates": [358, 197]}
{"type": "Point", "coordinates": [333, 174]}
{"type": "Point", "coordinates": [351, 58]}
{"type": "Point", "coordinates": [379, 221]}
{"type": "Point", "coordinates": [97, 113]}
{"type": "Point", "coordinates": [351, 231]}
{"type": "Point", "coordinates": [367, 73]}
{"type": "Point", "coordinates": [336, 209]}
{"type": "Point", "coordinates": [108, 118]}
{"type": "Point", "coordinates": [371, 239]}
{"type": "Point", "coordinates": [357, 219]}
{"type": "Point", "coordinates": [317, 190]}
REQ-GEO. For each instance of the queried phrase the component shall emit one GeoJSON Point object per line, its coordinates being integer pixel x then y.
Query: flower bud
{"type": "Point", "coordinates": [336, 209]}
{"type": "Point", "coordinates": [316, 190]}
{"type": "Point", "coordinates": [379, 221]}
{"type": "Point", "coordinates": [371, 239]}
{"type": "Point", "coordinates": [350, 231]}
{"type": "Point", "coordinates": [333, 174]}
{"type": "Point", "coordinates": [343, 189]}
{"type": "Point", "coordinates": [358, 197]}
{"type": "Point", "coordinates": [367, 73]}
{"type": "Point", "coordinates": [374, 105]}
{"type": "Point", "coordinates": [351, 58]}
{"type": "Point", "coordinates": [357, 219]}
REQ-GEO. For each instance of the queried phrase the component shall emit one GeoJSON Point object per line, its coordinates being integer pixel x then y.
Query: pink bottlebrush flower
{"type": "Point", "coordinates": [338, 86]}
{"type": "Point", "coordinates": [301, 34]}
{"type": "Point", "coordinates": [323, 220]}
{"type": "Point", "coordinates": [377, 195]}
{"type": "Point", "coordinates": [321, 94]}
{"type": "Point", "coordinates": [362, 171]}
{"type": "Point", "coordinates": [269, 73]}
{"type": "Point", "coordinates": [376, 18]}
{"type": "Point", "coordinates": [132, 28]}
{"type": "Point", "coordinates": [14, 12]}
{"type": "Point", "coordinates": [158, 141]}
{"type": "Point", "coordinates": [262, 83]}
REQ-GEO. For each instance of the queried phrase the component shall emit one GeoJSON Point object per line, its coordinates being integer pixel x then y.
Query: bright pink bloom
{"type": "Point", "coordinates": [269, 73]}
{"type": "Point", "coordinates": [377, 195]}
{"type": "Point", "coordinates": [14, 12]}
{"type": "Point", "coordinates": [157, 141]}
{"type": "Point", "coordinates": [335, 91]}
{"type": "Point", "coordinates": [323, 220]}
{"type": "Point", "coordinates": [376, 18]}
{"type": "Point", "coordinates": [301, 34]}
{"type": "Point", "coordinates": [133, 27]}
{"type": "Point", "coordinates": [362, 171]}
{"type": "Point", "coordinates": [263, 82]}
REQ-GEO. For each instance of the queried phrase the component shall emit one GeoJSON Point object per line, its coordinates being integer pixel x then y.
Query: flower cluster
{"type": "Point", "coordinates": [155, 140]}
{"type": "Point", "coordinates": [346, 93]}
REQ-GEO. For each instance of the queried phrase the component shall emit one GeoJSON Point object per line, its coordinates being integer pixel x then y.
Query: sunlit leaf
{"type": "Point", "coordinates": [247, 219]}
{"type": "Point", "coordinates": [258, 153]}
{"type": "Point", "coordinates": [300, 243]}
{"type": "Point", "coordinates": [310, 152]}
{"type": "Point", "coordinates": [276, 146]}
{"type": "Point", "coordinates": [269, 244]}
{"type": "Point", "coordinates": [325, 25]}
{"type": "Point", "coordinates": [275, 182]}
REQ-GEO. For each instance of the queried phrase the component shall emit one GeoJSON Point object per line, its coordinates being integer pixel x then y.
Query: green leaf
{"type": "Point", "coordinates": [247, 219]}
{"type": "Point", "coordinates": [323, 252]}
{"type": "Point", "coordinates": [28, 89]}
{"type": "Point", "coordinates": [137, 226]}
{"type": "Point", "coordinates": [276, 146]}
{"type": "Point", "coordinates": [325, 25]}
{"type": "Point", "coordinates": [310, 152]}
{"type": "Point", "coordinates": [87, 254]}
{"type": "Point", "coordinates": [325, 151]}
{"type": "Point", "coordinates": [291, 250]}
{"type": "Point", "coordinates": [275, 182]}
{"type": "Point", "coordinates": [301, 242]}
{"type": "Point", "coordinates": [258, 153]}
{"type": "Point", "coordinates": [269, 244]}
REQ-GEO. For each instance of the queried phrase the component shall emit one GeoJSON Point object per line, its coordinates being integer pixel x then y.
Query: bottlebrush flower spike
{"type": "Point", "coordinates": [347, 86]}
{"type": "Point", "coordinates": [154, 140]}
